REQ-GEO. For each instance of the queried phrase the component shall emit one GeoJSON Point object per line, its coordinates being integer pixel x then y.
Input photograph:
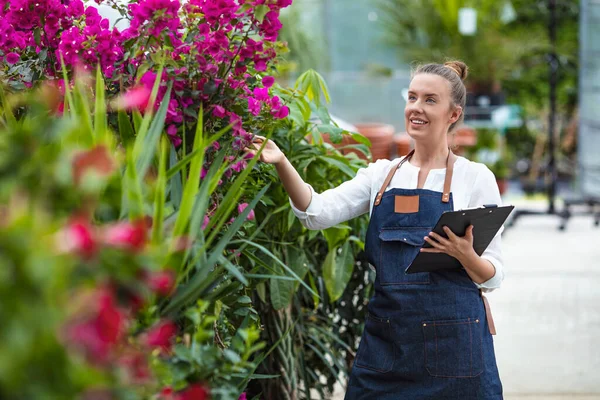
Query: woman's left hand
{"type": "Point", "coordinates": [455, 246]}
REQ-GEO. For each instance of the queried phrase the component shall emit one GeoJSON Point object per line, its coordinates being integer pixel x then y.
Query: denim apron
{"type": "Point", "coordinates": [427, 335]}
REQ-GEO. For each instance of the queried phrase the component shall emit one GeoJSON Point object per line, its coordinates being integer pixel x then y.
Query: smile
{"type": "Point", "coordinates": [418, 121]}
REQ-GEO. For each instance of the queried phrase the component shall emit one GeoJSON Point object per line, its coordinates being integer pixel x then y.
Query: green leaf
{"type": "Point", "coordinates": [337, 271]}
{"type": "Point", "coordinates": [125, 129]}
{"type": "Point", "coordinates": [159, 199]}
{"type": "Point", "coordinates": [360, 138]}
{"type": "Point", "coordinates": [281, 293]}
{"type": "Point", "coordinates": [335, 133]}
{"type": "Point", "coordinates": [100, 106]}
{"type": "Point", "coordinates": [260, 12]}
{"type": "Point", "coordinates": [192, 185]}
{"type": "Point", "coordinates": [175, 186]}
{"type": "Point", "coordinates": [147, 144]}
{"type": "Point", "coordinates": [339, 164]}
{"type": "Point", "coordinates": [261, 290]}
{"type": "Point", "coordinates": [7, 108]}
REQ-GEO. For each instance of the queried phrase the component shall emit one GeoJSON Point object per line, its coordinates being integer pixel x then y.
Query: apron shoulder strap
{"type": "Point", "coordinates": [448, 180]}
{"type": "Point", "coordinates": [389, 177]}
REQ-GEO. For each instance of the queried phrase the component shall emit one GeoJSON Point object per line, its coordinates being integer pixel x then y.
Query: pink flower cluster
{"type": "Point", "coordinates": [216, 47]}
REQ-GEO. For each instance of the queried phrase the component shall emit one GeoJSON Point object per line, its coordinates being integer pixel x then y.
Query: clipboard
{"type": "Point", "coordinates": [486, 222]}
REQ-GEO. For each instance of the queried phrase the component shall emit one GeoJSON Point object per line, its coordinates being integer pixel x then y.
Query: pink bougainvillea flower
{"type": "Point", "coordinates": [219, 111]}
{"type": "Point", "coordinates": [195, 391]}
{"type": "Point", "coordinates": [254, 106]}
{"type": "Point", "coordinates": [205, 222]}
{"type": "Point", "coordinates": [136, 367]}
{"type": "Point", "coordinates": [99, 332]}
{"type": "Point", "coordinates": [161, 336]}
{"type": "Point", "coordinates": [268, 81]}
{"type": "Point", "coordinates": [261, 94]}
{"type": "Point", "coordinates": [166, 393]}
{"type": "Point", "coordinates": [12, 58]}
{"type": "Point", "coordinates": [162, 282]}
{"type": "Point", "coordinates": [242, 207]}
{"type": "Point", "coordinates": [78, 237]}
{"type": "Point", "coordinates": [282, 113]}
{"type": "Point", "coordinates": [135, 98]}
{"type": "Point", "coordinates": [97, 160]}
{"type": "Point", "coordinates": [125, 235]}
{"type": "Point", "coordinates": [243, 396]}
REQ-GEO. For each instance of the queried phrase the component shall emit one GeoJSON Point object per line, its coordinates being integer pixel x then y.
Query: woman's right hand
{"type": "Point", "coordinates": [271, 154]}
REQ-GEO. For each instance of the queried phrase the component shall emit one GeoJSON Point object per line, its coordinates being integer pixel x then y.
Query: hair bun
{"type": "Point", "coordinates": [459, 67]}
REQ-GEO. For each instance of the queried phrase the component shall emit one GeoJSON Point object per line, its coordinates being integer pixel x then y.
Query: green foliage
{"type": "Point", "coordinates": [324, 260]}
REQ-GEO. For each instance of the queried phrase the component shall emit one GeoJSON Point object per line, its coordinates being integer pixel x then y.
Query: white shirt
{"type": "Point", "coordinates": [473, 185]}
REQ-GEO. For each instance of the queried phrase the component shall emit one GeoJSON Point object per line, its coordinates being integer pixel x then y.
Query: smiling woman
{"type": "Point", "coordinates": [427, 335]}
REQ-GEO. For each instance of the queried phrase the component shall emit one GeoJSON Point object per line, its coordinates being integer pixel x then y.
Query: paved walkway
{"type": "Point", "coordinates": [547, 312]}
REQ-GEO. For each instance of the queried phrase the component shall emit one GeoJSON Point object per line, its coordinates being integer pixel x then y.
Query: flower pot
{"type": "Point", "coordinates": [463, 137]}
{"type": "Point", "coordinates": [381, 137]}
{"type": "Point", "coordinates": [402, 144]}
{"type": "Point", "coordinates": [502, 185]}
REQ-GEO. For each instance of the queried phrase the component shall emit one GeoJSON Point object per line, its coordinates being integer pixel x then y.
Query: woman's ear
{"type": "Point", "coordinates": [456, 113]}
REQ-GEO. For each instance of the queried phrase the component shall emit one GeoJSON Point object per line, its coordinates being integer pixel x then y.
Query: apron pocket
{"type": "Point", "coordinates": [453, 349]}
{"type": "Point", "coordinates": [376, 349]}
{"type": "Point", "coordinates": [399, 247]}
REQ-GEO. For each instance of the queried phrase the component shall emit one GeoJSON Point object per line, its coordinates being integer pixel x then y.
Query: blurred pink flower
{"type": "Point", "coordinates": [78, 237]}
{"type": "Point", "coordinates": [125, 235]}
{"type": "Point", "coordinates": [97, 160]}
{"type": "Point", "coordinates": [161, 336]}
{"type": "Point", "coordinates": [162, 282]}
{"type": "Point", "coordinates": [135, 98]}
{"type": "Point", "coordinates": [195, 391]}
{"type": "Point", "coordinates": [100, 331]}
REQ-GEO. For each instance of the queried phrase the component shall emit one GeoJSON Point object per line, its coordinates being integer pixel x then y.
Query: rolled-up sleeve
{"type": "Point", "coordinates": [485, 191]}
{"type": "Point", "coordinates": [342, 203]}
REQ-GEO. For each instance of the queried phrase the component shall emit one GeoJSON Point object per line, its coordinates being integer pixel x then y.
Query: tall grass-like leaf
{"type": "Point", "coordinates": [188, 293]}
{"type": "Point", "coordinates": [175, 186]}
{"type": "Point", "coordinates": [100, 106]}
{"type": "Point", "coordinates": [285, 267]}
{"type": "Point", "coordinates": [68, 95]}
{"type": "Point", "coordinates": [148, 143]}
{"type": "Point", "coordinates": [142, 128]}
{"type": "Point", "coordinates": [125, 129]}
{"type": "Point", "coordinates": [133, 190]}
{"type": "Point", "coordinates": [232, 196]}
{"type": "Point", "coordinates": [11, 121]}
{"type": "Point", "coordinates": [159, 200]}
{"type": "Point", "coordinates": [191, 186]}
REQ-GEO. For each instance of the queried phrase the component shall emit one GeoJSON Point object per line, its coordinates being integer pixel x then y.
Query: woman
{"type": "Point", "coordinates": [427, 335]}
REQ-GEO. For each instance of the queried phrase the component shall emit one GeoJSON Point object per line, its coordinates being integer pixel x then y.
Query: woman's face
{"type": "Point", "coordinates": [429, 111]}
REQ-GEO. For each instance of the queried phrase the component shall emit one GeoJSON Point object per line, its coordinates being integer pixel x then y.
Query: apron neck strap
{"type": "Point", "coordinates": [447, 181]}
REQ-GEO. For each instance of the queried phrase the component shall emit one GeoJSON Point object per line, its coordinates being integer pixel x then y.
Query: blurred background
{"type": "Point", "coordinates": [531, 116]}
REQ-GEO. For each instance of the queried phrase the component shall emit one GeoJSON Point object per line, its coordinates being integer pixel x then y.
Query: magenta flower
{"type": "Point", "coordinates": [12, 58]}
{"type": "Point", "coordinates": [242, 207]}
{"type": "Point", "coordinates": [254, 106]}
{"type": "Point", "coordinates": [268, 81]}
{"type": "Point", "coordinates": [282, 113]}
{"type": "Point", "coordinates": [219, 111]}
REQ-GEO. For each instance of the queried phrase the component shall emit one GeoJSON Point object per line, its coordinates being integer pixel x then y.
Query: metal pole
{"type": "Point", "coordinates": [553, 62]}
